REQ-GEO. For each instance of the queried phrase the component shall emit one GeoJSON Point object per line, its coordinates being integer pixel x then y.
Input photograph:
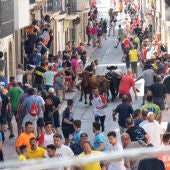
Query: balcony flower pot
{"type": "Point", "coordinates": [76, 21]}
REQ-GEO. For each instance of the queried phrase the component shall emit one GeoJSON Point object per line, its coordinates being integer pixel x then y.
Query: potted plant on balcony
{"type": "Point", "coordinates": [76, 21]}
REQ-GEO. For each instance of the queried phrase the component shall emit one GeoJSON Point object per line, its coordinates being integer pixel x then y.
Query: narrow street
{"type": "Point", "coordinates": [107, 55]}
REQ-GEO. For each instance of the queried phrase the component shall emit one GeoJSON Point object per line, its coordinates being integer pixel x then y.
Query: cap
{"type": "Point", "coordinates": [1, 88]}
{"type": "Point", "coordinates": [27, 85]}
{"type": "Point", "coordinates": [2, 83]}
{"type": "Point", "coordinates": [84, 135]}
{"type": "Point", "coordinates": [51, 90]}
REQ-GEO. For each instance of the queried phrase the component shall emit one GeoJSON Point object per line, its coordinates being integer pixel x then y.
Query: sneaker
{"type": "Point", "coordinates": [11, 136]}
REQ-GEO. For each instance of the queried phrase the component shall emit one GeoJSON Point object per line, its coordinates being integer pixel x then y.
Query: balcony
{"type": "Point", "coordinates": [52, 6]}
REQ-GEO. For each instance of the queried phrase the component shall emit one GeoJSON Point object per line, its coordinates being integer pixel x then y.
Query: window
{"type": "Point", "coordinates": [32, 1]}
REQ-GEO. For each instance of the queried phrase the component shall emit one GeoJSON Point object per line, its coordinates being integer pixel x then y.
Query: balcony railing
{"type": "Point", "coordinates": [52, 6]}
{"type": "Point", "coordinates": [32, 1]}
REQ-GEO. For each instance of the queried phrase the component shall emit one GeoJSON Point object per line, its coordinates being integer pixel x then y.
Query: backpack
{"type": "Point", "coordinates": [34, 109]}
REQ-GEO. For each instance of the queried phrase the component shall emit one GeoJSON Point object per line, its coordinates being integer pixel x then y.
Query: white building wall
{"type": "Point", "coordinates": [21, 14]}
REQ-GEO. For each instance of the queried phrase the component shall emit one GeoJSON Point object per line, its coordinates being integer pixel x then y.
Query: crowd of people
{"type": "Point", "coordinates": [33, 95]}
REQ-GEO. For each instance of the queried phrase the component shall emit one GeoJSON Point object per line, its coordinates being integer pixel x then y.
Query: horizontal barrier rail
{"type": "Point", "coordinates": [78, 161]}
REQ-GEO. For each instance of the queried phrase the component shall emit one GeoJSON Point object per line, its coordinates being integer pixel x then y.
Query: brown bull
{"type": "Point", "coordinates": [90, 82]}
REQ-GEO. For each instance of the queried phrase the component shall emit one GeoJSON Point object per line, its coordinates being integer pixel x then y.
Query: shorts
{"type": "Point", "coordinates": [67, 131]}
{"type": "Point", "coordinates": [59, 85]}
{"type": "Point", "coordinates": [146, 88]}
{"type": "Point", "coordinates": [3, 118]}
{"type": "Point", "coordinates": [40, 122]}
{"type": "Point", "coordinates": [32, 119]}
{"type": "Point", "coordinates": [38, 86]}
{"type": "Point", "coordinates": [129, 96]}
{"type": "Point", "coordinates": [160, 102]}
{"type": "Point", "coordinates": [47, 87]}
{"type": "Point", "coordinates": [89, 37]}
{"type": "Point", "coordinates": [73, 78]}
{"type": "Point", "coordinates": [105, 31]}
{"type": "Point", "coordinates": [56, 120]}
{"type": "Point", "coordinates": [9, 118]}
{"type": "Point", "coordinates": [94, 37]}
{"type": "Point", "coordinates": [68, 79]}
{"type": "Point", "coordinates": [133, 65]}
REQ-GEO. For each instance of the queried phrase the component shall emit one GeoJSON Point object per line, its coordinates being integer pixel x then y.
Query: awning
{"type": "Point", "coordinates": [71, 17]}
{"type": "Point", "coordinates": [58, 16]}
{"type": "Point", "coordinates": [84, 11]}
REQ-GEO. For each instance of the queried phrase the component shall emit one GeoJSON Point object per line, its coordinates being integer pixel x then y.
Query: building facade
{"type": "Point", "coordinates": [7, 43]}
{"type": "Point", "coordinates": [68, 21]}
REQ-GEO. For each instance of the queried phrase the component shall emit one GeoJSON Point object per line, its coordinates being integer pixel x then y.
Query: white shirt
{"type": "Point", "coordinates": [144, 122]}
{"type": "Point", "coordinates": [64, 152]}
{"type": "Point", "coordinates": [97, 102]}
{"type": "Point", "coordinates": [154, 130]}
{"type": "Point", "coordinates": [47, 139]}
{"type": "Point", "coordinates": [116, 165]}
{"type": "Point", "coordinates": [19, 75]}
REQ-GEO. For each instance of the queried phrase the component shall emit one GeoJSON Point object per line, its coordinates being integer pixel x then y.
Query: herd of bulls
{"type": "Point", "coordinates": [105, 83]}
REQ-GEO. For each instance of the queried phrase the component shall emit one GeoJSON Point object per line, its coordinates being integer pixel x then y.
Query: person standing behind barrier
{"type": "Point", "coordinates": [99, 140]}
{"type": "Point", "coordinates": [117, 148]}
{"type": "Point", "coordinates": [87, 151]}
{"type": "Point", "coordinates": [154, 130]}
{"type": "Point", "coordinates": [132, 162]}
{"type": "Point", "coordinates": [35, 152]}
{"type": "Point", "coordinates": [62, 151]}
{"type": "Point", "coordinates": [24, 138]}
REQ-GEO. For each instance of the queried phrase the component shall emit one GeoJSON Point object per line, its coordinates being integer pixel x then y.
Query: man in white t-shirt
{"type": "Point", "coordinates": [154, 130]}
{"type": "Point", "coordinates": [47, 137]}
{"type": "Point", "coordinates": [117, 148]}
{"type": "Point", "coordinates": [51, 152]}
{"type": "Point", "coordinates": [100, 103]}
{"type": "Point", "coordinates": [62, 151]}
